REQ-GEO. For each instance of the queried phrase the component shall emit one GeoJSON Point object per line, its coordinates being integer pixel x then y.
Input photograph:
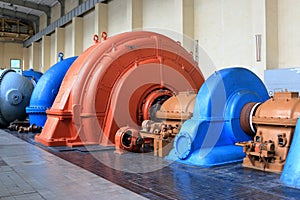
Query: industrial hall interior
{"type": "Point", "coordinates": [149, 99]}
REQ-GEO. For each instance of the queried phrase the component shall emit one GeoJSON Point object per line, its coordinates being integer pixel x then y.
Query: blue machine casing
{"type": "Point", "coordinates": [46, 90]}
{"type": "Point", "coordinates": [209, 137]}
{"type": "Point", "coordinates": [291, 172]}
{"type": "Point", "coordinates": [277, 80]}
{"type": "Point", "coordinates": [32, 75]}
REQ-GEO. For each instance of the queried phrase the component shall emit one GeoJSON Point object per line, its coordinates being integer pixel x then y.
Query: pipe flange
{"type": "Point", "coordinates": [36, 109]}
{"type": "Point", "coordinates": [14, 97]}
{"type": "Point", "coordinates": [183, 145]}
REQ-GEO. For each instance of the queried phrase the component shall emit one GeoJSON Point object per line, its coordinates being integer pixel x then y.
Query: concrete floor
{"type": "Point", "coordinates": [31, 171]}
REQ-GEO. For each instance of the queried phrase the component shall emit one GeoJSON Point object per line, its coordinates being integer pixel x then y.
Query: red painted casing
{"type": "Point", "coordinates": [106, 87]}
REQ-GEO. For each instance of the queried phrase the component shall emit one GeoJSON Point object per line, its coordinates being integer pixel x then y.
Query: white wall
{"type": "Point", "coordinates": [164, 17]}
{"type": "Point", "coordinates": [38, 68]}
{"type": "Point", "coordinates": [272, 34]}
{"type": "Point", "coordinates": [52, 56]}
{"type": "Point", "coordinates": [30, 55]}
{"type": "Point", "coordinates": [226, 32]}
{"type": "Point", "coordinates": [119, 17]}
{"type": "Point", "coordinates": [68, 41]}
{"type": "Point", "coordinates": [289, 33]}
{"type": "Point", "coordinates": [225, 29]}
{"type": "Point", "coordinates": [88, 30]}
{"type": "Point", "coordinates": [25, 58]}
{"type": "Point", "coordinates": [10, 51]}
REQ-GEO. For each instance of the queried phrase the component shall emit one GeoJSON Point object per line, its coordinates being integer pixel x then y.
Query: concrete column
{"type": "Point", "coordinates": [188, 25]}
{"type": "Point", "coordinates": [34, 56]}
{"type": "Point", "coordinates": [77, 36]}
{"type": "Point", "coordinates": [101, 18]}
{"type": "Point", "coordinates": [43, 21]}
{"type": "Point", "coordinates": [59, 42]}
{"type": "Point", "coordinates": [272, 34]}
{"type": "Point", "coordinates": [25, 58]}
{"type": "Point", "coordinates": [136, 14]}
{"type": "Point", "coordinates": [46, 53]}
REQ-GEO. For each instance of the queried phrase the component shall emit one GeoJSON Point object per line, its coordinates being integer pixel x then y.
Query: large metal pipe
{"type": "Point", "coordinates": [46, 90]}
{"type": "Point", "coordinates": [32, 75]}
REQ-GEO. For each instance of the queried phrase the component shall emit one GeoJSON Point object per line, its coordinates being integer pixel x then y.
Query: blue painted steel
{"type": "Point", "coordinates": [291, 172]}
{"type": "Point", "coordinates": [277, 80]}
{"type": "Point", "coordinates": [46, 90]}
{"type": "Point", "coordinates": [60, 56]}
{"type": "Point", "coordinates": [32, 75]}
{"type": "Point", "coordinates": [208, 138]}
{"type": "Point", "coordinates": [15, 92]}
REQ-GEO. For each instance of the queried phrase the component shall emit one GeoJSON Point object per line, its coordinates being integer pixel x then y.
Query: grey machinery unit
{"type": "Point", "coordinates": [15, 93]}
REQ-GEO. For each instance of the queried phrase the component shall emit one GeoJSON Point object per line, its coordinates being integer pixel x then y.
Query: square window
{"type": "Point", "coordinates": [15, 63]}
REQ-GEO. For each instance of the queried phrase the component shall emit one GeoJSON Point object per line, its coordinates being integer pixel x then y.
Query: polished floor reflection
{"type": "Point", "coordinates": [155, 178]}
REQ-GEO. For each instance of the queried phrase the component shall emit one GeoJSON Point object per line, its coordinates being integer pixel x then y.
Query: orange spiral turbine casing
{"type": "Point", "coordinates": [107, 85]}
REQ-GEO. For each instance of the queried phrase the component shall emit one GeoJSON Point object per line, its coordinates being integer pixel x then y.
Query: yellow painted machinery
{"type": "Point", "coordinates": [273, 123]}
{"type": "Point", "coordinates": [161, 130]}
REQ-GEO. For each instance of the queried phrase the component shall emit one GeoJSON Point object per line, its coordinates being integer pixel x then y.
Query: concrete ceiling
{"type": "Point", "coordinates": [28, 6]}
{"type": "Point", "coordinates": [27, 11]}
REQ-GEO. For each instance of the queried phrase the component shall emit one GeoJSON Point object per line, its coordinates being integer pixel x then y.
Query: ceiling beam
{"type": "Point", "coordinates": [17, 14]}
{"type": "Point", "coordinates": [62, 7]}
{"type": "Point", "coordinates": [43, 8]}
{"type": "Point", "coordinates": [26, 17]}
{"type": "Point", "coordinates": [78, 11]}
